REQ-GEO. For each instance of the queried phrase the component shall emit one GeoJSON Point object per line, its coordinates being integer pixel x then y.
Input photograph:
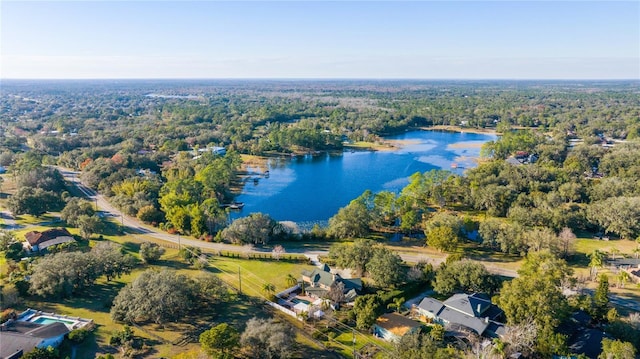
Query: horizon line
{"type": "Point", "coordinates": [308, 79]}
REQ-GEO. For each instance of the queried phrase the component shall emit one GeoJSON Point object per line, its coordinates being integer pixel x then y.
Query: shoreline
{"type": "Point", "coordinates": [452, 128]}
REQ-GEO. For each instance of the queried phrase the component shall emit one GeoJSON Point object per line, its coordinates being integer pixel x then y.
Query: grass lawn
{"type": "Point", "coordinates": [343, 343]}
{"type": "Point", "coordinates": [255, 273]}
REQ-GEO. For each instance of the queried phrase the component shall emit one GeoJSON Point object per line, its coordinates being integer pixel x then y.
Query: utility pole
{"type": "Point", "coordinates": [239, 280]}
{"type": "Point", "coordinates": [353, 332]}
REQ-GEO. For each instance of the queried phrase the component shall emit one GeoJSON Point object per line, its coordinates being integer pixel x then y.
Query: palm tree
{"type": "Point", "coordinates": [268, 289]}
{"type": "Point", "coordinates": [303, 315]}
{"type": "Point", "coordinates": [597, 260]}
{"type": "Point", "coordinates": [614, 251]}
{"type": "Point", "coordinates": [397, 303]}
{"type": "Point", "coordinates": [291, 280]}
{"type": "Point", "coordinates": [623, 277]}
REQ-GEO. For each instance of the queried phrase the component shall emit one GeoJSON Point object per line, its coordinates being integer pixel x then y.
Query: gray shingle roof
{"type": "Point", "coordinates": [472, 311]}
{"type": "Point", "coordinates": [13, 342]}
{"type": "Point", "coordinates": [431, 305]}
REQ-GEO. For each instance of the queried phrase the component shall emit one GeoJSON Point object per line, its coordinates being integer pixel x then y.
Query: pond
{"type": "Point", "coordinates": [311, 189]}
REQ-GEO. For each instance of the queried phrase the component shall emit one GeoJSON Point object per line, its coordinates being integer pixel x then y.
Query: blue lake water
{"type": "Point", "coordinates": [311, 189]}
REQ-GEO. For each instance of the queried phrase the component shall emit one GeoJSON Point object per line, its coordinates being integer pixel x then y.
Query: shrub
{"type": "Point", "coordinates": [78, 335]}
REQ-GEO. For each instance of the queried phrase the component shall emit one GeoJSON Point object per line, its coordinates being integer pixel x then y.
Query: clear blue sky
{"type": "Point", "coordinates": [305, 39]}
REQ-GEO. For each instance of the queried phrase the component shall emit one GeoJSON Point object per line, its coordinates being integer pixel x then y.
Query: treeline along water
{"type": "Point", "coordinates": [310, 189]}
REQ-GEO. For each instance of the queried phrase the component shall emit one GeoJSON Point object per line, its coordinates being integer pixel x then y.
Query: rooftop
{"type": "Point", "coordinates": [397, 324]}
{"type": "Point", "coordinates": [35, 238]}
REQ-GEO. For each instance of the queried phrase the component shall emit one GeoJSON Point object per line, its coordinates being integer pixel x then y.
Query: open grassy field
{"type": "Point", "coordinates": [255, 273]}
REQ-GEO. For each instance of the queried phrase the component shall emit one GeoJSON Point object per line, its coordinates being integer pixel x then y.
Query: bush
{"type": "Point", "coordinates": [150, 252]}
{"type": "Point", "coordinates": [78, 335]}
{"type": "Point", "coordinates": [7, 314]}
{"type": "Point", "coordinates": [121, 337]}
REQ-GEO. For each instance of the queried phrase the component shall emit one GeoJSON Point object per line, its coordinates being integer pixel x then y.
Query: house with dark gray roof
{"type": "Point", "coordinates": [318, 282]}
{"type": "Point", "coordinates": [474, 312]}
{"type": "Point", "coordinates": [18, 337]}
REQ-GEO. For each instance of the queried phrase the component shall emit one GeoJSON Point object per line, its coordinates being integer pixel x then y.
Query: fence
{"type": "Point", "coordinates": [283, 309]}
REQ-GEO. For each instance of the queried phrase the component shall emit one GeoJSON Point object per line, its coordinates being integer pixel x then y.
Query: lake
{"type": "Point", "coordinates": [311, 189]}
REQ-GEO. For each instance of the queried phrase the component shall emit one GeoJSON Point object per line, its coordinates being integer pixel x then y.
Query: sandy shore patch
{"type": "Point", "coordinates": [484, 131]}
{"type": "Point", "coordinates": [466, 145]}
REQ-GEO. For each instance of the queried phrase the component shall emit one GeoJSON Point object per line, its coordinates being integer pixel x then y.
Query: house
{"type": "Point", "coordinates": [464, 311]}
{"type": "Point", "coordinates": [392, 326]}
{"type": "Point", "coordinates": [20, 337]}
{"type": "Point", "coordinates": [220, 151]}
{"type": "Point", "coordinates": [318, 282]}
{"type": "Point", "coordinates": [38, 241]}
{"type": "Point", "coordinates": [630, 265]}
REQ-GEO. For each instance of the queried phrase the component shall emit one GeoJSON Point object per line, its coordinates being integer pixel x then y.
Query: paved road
{"type": "Point", "coordinates": [9, 221]}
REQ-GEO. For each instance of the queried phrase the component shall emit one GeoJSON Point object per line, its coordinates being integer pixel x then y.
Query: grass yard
{"type": "Point", "coordinates": [255, 273]}
{"type": "Point", "coordinates": [343, 344]}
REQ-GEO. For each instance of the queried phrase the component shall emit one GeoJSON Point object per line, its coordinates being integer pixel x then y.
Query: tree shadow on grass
{"type": "Point", "coordinates": [111, 229]}
{"type": "Point", "coordinates": [98, 297]}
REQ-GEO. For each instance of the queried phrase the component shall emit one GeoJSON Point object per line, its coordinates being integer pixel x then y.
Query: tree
{"type": "Point", "coordinates": [616, 349]}
{"type": "Point", "coordinates": [567, 241]}
{"type": "Point", "coordinates": [616, 215]}
{"type": "Point", "coordinates": [464, 276]}
{"type": "Point", "coordinates": [442, 238]}
{"type": "Point", "coordinates": [267, 339]}
{"type": "Point", "coordinates": [601, 297]}
{"type": "Point", "coordinates": [190, 254]}
{"type": "Point", "coordinates": [257, 228]}
{"type": "Point", "coordinates": [149, 214]}
{"type": "Point", "coordinates": [397, 303]}
{"type": "Point", "coordinates": [385, 268]}
{"type": "Point", "coordinates": [278, 251]}
{"type": "Point", "coordinates": [6, 239]}
{"type": "Point", "coordinates": [150, 252]}
{"type": "Point", "coordinates": [14, 251]}
{"type": "Point", "coordinates": [336, 292]}
{"type": "Point", "coordinates": [623, 277]}
{"type": "Point", "coordinates": [291, 280]}
{"type": "Point", "coordinates": [89, 225]}
{"type": "Point", "coordinates": [110, 261]}
{"type": "Point", "coordinates": [159, 297]}
{"type": "Point", "coordinates": [540, 277]}
{"type": "Point", "coordinates": [211, 288]}
{"type": "Point", "coordinates": [63, 274]}
{"type": "Point", "coordinates": [42, 353]}
{"type": "Point", "coordinates": [354, 256]}
{"type": "Point", "coordinates": [367, 309]}
{"type": "Point", "coordinates": [268, 289]}
{"type": "Point", "coordinates": [220, 341]}
{"type": "Point", "coordinates": [354, 220]}
{"type": "Point", "coordinates": [416, 345]}
{"type": "Point", "coordinates": [521, 337]}
{"type": "Point", "coordinates": [74, 209]}
{"type": "Point", "coordinates": [597, 261]}
{"type": "Point", "coordinates": [35, 202]}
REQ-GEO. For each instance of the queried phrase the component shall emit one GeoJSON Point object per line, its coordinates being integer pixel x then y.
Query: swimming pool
{"type": "Point", "coordinates": [49, 320]}
{"type": "Point", "coordinates": [298, 300]}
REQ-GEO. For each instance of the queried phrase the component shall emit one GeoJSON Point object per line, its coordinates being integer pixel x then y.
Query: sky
{"type": "Point", "coordinates": [320, 39]}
